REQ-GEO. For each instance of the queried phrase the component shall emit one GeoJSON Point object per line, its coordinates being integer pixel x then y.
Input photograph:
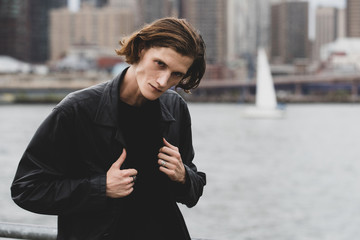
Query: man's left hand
{"type": "Point", "coordinates": [170, 162]}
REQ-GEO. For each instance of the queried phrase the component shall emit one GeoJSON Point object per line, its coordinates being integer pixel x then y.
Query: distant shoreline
{"type": "Point", "coordinates": [46, 98]}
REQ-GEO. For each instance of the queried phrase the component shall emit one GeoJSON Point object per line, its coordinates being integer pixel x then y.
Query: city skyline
{"type": "Point", "coordinates": [73, 5]}
{"type": "Point", "coordinates": [243, 24]}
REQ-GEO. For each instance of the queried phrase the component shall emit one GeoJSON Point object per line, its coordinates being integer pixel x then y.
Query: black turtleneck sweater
{"type": "Point", "coordinates": [149, 211]}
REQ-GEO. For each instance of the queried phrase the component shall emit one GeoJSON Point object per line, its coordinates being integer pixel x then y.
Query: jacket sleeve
{"type": "Point", "coordinates": [189, 193]}
{"type": "Point", "coordinates": [46, 181]}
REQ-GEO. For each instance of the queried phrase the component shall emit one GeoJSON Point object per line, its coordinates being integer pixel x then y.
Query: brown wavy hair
{"type": "Point", "coordinates": [174, 33]}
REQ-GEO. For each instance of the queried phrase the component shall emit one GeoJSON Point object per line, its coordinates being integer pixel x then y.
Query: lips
{"type": "Point", "coordinates": [156, 89]}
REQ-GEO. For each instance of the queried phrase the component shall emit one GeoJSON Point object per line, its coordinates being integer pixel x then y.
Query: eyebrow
{"type": "Point", "coordinates": [176, 71]}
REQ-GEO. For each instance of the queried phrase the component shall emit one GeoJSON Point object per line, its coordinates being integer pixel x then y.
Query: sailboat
{"type": "Point", "coordinates": [265, 102]}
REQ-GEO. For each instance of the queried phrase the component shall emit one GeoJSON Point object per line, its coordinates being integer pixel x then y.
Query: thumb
{"type": "Point", "coordinates": [120, 160]}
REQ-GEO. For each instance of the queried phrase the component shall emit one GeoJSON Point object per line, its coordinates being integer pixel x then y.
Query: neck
{"type": "Point", "coordinates": [129, 89]}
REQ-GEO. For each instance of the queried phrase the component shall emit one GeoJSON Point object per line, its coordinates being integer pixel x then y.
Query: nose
{"type": "Point", "coordinates": [163, 79]}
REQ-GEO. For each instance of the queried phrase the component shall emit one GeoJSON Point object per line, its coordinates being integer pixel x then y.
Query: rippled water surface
{"type": "Point", "coordinates": [296, 178]}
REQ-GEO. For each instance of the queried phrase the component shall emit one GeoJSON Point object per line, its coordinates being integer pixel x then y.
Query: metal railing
{"type": "Point", "coordinates": [31, 232]}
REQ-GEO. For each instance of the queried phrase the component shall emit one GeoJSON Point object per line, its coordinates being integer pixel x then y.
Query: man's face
{"type": "Point", "coordinates": [159, 69]}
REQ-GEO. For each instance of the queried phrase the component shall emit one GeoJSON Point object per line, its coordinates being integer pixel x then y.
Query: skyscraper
{"type": "Point", "coordinates": [24, 28]}
{"type": "Point", "coordinates": [96, 3]}
{"type": "Point", "coordinates": [209, 16]}
{"type": "Point", "coordinates": [150, 10]}
{"type": "Point", "coordinates": [353, 18]}
{"type": "Point", "coordinates": [328, 28]}
{"type": "Point", "coordinates": [9, 14]}
{"type": "Point", "coordinates": [122, 3]}
{"type": "Point", "coordinates": [289, 31]}
{"type": "Point", "coordinates": [101, 27]}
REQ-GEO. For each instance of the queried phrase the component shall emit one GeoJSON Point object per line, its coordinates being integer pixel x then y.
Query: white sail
{"type": "Point", "coordinates": [265, 91]}
{"type": "Point", "coordinates": [265, 102]}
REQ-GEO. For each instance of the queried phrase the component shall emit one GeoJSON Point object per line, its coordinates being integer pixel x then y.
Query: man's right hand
{"type": "Point", "coordinates": [119, 183]}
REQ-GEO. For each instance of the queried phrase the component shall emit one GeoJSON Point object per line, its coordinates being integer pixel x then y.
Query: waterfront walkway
{"type": "Point", "coordinates": [296, 85]}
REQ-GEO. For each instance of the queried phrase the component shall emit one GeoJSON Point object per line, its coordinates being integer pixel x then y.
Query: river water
{"type": "Point", "coordinates": [296, 178]}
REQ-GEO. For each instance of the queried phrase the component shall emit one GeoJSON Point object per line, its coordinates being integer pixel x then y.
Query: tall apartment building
{"type": "Point", "coordinates": [289, 31]}
{"type": "Point", "coordinates": [102, 27]}
{"type": "Point", "coordinates": [353, 18]}
{"type": "Point", "coordinates": [9, 20]}
{"type": "Point", "coordinates": [122, 3]}
{"type": "Point", "coordinates": [341, 23]}
{"type": "Point", "coordinates": [24, 28]}
{"type": "Point", "coordinates": [330, 25]}
{"type": "Point", "coordinates": [150, 10]}
{"type": "Point", "coordinates": [210, 17]}
{"type": "Point", "coordinates": [96, 3]}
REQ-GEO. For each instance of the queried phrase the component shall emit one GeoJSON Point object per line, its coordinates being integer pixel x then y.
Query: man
{"type": "Point", "coordinates": [112, 160]}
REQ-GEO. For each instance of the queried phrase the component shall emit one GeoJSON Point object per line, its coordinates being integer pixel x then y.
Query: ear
{"type": "Point", "coordinates": [142, 53]}
{"type": "Point", "coordinates": [140, 46]}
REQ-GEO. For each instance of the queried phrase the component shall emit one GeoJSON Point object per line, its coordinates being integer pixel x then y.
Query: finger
{"type": "Point", "coordinates": [165, 157]}
{"type": "Point", "coordinates": [173, 174]}
{"type": "Point", "coordinates": [169, 172]}
{"type": "Point", "coordinates": [166, 164]}
{"type": "Point", "coordinates": [165, 170]}
{"type": "Point", "coordinates": [170, 162]}
{"type": "Point", "coordinates": [162, 163]}
{"type": "Point", "coordinates": [170, 152]}
{"type": "Point", "coordinates": [120, 160]}
{"type": "Point", "coordinates": [129, 182]}
{"type": "Point", "coordinates": [169, 145]}
{"type": "Point", "coordinates": [128, 192]}
{"type": "Point", "coordinates": [129, 172]}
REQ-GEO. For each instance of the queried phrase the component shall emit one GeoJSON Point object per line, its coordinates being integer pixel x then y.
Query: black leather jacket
{"type": "Point", "coordinates": [63, 170]}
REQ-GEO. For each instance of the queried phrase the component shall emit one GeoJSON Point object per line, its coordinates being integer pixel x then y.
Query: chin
{"type": "Point", "coordinates": [151, 96]}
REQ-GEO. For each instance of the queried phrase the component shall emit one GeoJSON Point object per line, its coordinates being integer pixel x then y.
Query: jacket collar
{"type": "Point", "coordinates": [165, 113]}
{"type": "Point", "coordinates": [107, 110]}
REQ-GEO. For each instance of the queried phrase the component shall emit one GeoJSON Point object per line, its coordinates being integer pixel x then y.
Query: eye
{"type": "Point", "coordinates": [178, 74]}
{"type": "Point", "coordinates": [160, 63]}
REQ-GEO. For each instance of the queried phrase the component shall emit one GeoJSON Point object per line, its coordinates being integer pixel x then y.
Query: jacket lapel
{"type": "Point", "coordinates": [107, 110]}
{"type": "Point", "coordinates": [166, 118]}
{"type": "Point", "coordinates": [107, 113]}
